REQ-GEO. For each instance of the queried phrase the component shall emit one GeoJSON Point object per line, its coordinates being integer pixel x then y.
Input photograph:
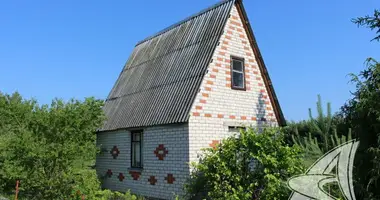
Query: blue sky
{"type": "Point", "coordinates": [75, 49]}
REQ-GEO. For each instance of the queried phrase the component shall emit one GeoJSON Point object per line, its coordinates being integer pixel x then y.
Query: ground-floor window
{"type": "Point", "coordinates": [136, 149]}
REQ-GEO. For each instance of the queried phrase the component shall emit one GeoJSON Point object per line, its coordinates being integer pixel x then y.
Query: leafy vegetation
{"type": "Point", "coordinates": [246, 166]}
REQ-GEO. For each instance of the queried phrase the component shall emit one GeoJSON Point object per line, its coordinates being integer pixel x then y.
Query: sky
{"type": "Point", "coordinates": [76, 49]}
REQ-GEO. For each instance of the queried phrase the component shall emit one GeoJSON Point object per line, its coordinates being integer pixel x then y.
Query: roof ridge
{"type": "Point", "coordinates": [183, 21]}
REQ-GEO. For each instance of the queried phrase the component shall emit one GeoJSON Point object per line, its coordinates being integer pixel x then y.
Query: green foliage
{"type": "Point", "coordinates": [48, 148]}
{"type": "Point", "coordinates": [226, 173]}
{"type": "Point", "coordinates": [362, 112]}
{"type": "Point", "coordinates": [371, 22]}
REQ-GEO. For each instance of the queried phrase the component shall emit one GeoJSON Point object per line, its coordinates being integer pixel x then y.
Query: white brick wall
{"type": "Point", "coordinates": [217, 105]}
{"type": "Point", "coordinates": [175, 140]}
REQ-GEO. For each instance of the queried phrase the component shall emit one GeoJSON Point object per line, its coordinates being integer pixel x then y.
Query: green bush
{"type": "Point", "coordinates": [227, 172]}
{"type": "Point", "coordinates": [50, 149]}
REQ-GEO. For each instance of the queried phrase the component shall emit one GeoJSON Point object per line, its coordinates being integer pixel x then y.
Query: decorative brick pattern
{"type": "Point", "coordinates": [135, 175]}
{"type": "Point", "coordinates": [114, 152]}
{"type": "Point", "coordinates": [152, 180]}
{"type": "Point", "coordinates": [170, 179]}
{"type": "Point", "coordinates": [161, 152]}
{"type": "Point", "coordinates": [214, 144]}
{"type": "Point", "coordinates": [109, 173]}
{"type": "Point", "coordinates": [121, 177]}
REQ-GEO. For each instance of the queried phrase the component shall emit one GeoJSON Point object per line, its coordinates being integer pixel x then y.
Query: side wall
{"type": "Point", "coordinates": [159, 178]}
{"type": "Point", "coordinates": [217, 106]}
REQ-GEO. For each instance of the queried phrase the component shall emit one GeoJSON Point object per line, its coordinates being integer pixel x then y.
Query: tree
{"type": "Point", "coordinates": [48, 148]}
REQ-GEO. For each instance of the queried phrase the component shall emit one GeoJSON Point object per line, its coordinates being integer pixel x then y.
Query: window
{"type": "Point", "coordinates": [237, 73]}
{"type": "Point", "coordinates": [136, 149]}
{"type": "Point", "coordinates": [235, 129]}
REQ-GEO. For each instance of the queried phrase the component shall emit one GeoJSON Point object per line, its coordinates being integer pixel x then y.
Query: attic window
{"type": "Point", "coordinates": [237, 73]}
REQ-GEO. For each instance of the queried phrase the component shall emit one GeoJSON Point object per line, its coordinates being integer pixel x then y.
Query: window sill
{"type": "Point", "coordinates": [237, 88]}
{"type": "Point", "coordinates": [135, 169]}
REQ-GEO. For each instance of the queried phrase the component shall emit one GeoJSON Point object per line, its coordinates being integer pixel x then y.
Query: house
{"type": "Point", "coordinates": [181, 90]}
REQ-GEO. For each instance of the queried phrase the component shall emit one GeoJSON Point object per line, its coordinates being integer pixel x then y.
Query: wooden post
{"type": "Point", "coordinates": [82, 196]}
{"type": "Point", "coordinates": [17, 182]}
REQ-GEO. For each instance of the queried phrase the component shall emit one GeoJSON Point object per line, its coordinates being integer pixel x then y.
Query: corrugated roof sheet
{"type": "Point", "coordinates": [161, 77]}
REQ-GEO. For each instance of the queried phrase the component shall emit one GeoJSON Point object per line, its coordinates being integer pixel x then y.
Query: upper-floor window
{"type": "Point", "coordinates": [136, 149]}
{"type": "Point", "coordinates": [237, 73]}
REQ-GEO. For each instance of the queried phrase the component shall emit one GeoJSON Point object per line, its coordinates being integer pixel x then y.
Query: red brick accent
{"type": "Point", "coordinates": [247, 82]}
{"type": "Point", "coordinates": [121, 177]}
{"type": "Point", "coordinates": [253, 118]}
{"type": "Point", "coordinates": [207, 88]}
{"type": "Point", "coordinates": [243, 117]}
{"type": "Point", "coordinates": [241, 36]}
{"type": "Point", "coordinates": [251, 60]}
{"type": "Point", "coordinates": [247, 70]}
{"type": "Point", "coordinates": [222, 53]}
{"type": "Point", "coordinates": [229, 32]}
{"type": "Point", "coordinates": [247, 76]}
{"type": "Point", "coordinates": [202, 101]}
{"type": "Point", "coordinates": [244, 42]}
{"type": "Point", "coordinates": [208, 115]}
{"type": "Point", "coordinates": [220, 116]}
{"type": "Point", "coordinates": [225, 42]}
{"type": "Point", "coordinates": [196, 114]}
{"type": "Point", "coordinates": [215, 70]}
{"type": "Point", "coordinates": [109, 173]}
{"type": "Point", "coordinates": [270, 114]}
{"type": "Point", "coordinates": [255, 72]}
{"type": "Point", "coordinates": [228, 78]}
{"type": "Point", "coordinates": [210, 82]}
{"type": "Point", "coordinates": [218, 65]}
{"type": "Point", "coordinates": [228, 85]}
{"type": "Point", "coordinates": [258, 78]}
{"type": "Point", "coordinates": [234, 17]}
{"type": "Point", "coordinates": [269, 108]}
{"type": "Point", "coordinates": [170, 178]}
{"type": "Point", "coordinates": [246, 48]}
{"type": "Point", "coordinates": [232, 116]}
{"type": "Point", "coordinates": [219, 59]}
{"type": "Point", "coordinates": [227, 61]}
{"type": "Point", "coordinates": [235, 23]}
{"type": "Point", "coordinates": [223, 48]}
{"type": "Point", "coordinates": [267, 102]}
{"type": "Point", "coordinates": [214, 144]}
{"type": "Point", "coordinates": [152, 180]}
{"type": "Point", "coordinates": [205, 95]}
{"type": "Point", "coordinates": [114, 152]}
{"type": "Point", "coordinates": [161, 152]}
{"type": "Point", "coordinates": [228, 72]}
{"type": "Point", "coordinates": [262, 91]}
{"type": "Point", "coordinates": [198, 108]}
{"type": "Point", "coordinates": [212, 76]}
{"type": "Point", "coordinates": [135, 175]}
{"type": "Point", "coordinates": [260, 84]}
{"type": "Point", "coordinates": [265, 96]}
{"type": "Point", "coordinates": [239, 30]}
{"type": "Point", "coordinates": [231, 27]}
{"type": "Point", "coordinates": [248, 54]}
{"type": "Point", "coordinates": [228, 37]}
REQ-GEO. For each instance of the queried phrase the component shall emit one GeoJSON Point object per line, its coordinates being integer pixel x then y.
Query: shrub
{"type": "Point", "coordinates": [245, 166]}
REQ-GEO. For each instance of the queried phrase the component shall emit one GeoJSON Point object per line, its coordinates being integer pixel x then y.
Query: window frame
{"type": "Point", "coordinates": [141, 132]}
{"type": "Point", "coordinates": [232, 71]}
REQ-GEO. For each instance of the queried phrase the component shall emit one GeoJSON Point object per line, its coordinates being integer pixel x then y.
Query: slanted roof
{"type": "Point", "coordinates": [162, 76]}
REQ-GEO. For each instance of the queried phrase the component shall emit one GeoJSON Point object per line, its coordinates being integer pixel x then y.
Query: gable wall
{"type": "Point", "coordinates": [175, 140]}
{"type": "Point", "coordinates": [217, 105]}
